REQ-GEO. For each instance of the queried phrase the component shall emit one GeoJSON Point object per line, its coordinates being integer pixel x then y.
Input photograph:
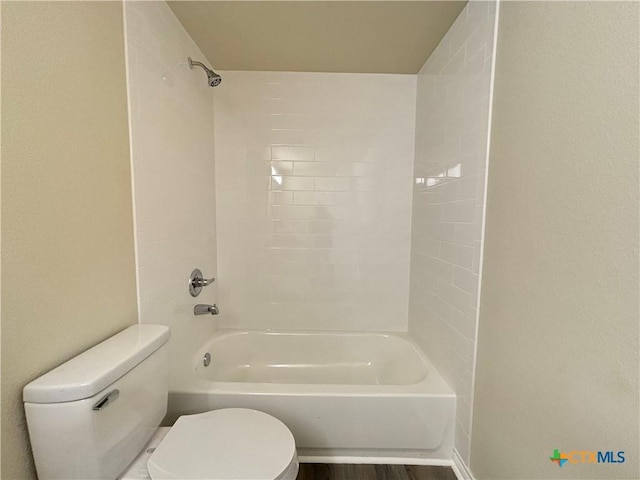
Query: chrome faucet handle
{"type": "Point", "coordinates": [202, 309]}
{"type": "Point", "coordinates": [203, 282]}
{"type": "Point", "coordinates": [197, 281]}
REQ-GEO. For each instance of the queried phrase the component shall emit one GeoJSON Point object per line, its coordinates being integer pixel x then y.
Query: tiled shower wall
{"type": "Point", "coordinates": [452, 126]}
{"type": "Point", "coordinates": [313, 184]}
{"type": "Point", "coordinates": [171, 122]}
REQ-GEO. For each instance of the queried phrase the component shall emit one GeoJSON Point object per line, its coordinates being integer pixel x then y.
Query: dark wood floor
{"type": "Point", "coordinates": [323, 471]}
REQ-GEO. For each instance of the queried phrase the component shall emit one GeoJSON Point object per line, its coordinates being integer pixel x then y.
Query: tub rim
{"type": "Point", "coordinates": [432, 385]}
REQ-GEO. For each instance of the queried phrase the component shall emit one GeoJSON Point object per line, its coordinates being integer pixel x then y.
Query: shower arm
{"type": "Point", "coordinates": [213, 79]}
{"type": "Point", "coordinates": [200, 64]}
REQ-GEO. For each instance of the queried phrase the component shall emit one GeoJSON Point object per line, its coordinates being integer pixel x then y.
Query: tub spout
{"type": "Point", "coordinates": [201, 309]}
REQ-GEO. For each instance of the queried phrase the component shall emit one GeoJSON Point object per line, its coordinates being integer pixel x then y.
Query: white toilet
{"type": "Point", "coordinates": [97, 416]}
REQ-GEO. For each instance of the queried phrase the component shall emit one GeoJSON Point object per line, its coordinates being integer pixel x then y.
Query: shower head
{"type": "Point", "coordinates": [213, 79]}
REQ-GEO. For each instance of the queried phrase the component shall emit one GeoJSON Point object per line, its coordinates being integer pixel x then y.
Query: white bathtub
{"type": "Point", "coordinates": [345, 396]}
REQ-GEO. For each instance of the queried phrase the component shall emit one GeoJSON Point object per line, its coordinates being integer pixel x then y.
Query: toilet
{"type": "Point", "coordinates": [97, 416]}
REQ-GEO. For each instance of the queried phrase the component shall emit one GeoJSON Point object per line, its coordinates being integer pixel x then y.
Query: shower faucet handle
{"type": "Point", "coordinates": [203, 282]}
{"type": "Point", "coordinates": [197, 281]}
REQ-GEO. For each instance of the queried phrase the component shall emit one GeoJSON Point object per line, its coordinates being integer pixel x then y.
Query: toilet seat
{"type": "Point", "coordinates": [232, 443]}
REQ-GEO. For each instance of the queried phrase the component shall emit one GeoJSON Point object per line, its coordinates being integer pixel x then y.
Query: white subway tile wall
{"type": "Point", "coordinates": [171, 126]}
{"type": "Point", "coordinates": [452, 123]}
{"type": "Point", "coordinates": [314, 191]}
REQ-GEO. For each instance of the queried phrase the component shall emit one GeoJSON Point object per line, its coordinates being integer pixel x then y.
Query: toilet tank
{"type": "Point", "coordinates": [91, 416]}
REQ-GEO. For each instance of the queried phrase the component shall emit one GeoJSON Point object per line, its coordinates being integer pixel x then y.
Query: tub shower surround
{"type": "Point", "coordinates": [171, 125]}
{"type": "Point", "coordinates": [320, 222]}
{"type": "Point", "coordinates": [313, 184]}
{"type": "Point", "coordinates": [452, 130]}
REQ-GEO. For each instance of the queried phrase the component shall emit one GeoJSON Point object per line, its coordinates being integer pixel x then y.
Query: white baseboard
{"type": "Point", "coordinates": [460, 468]}
{"type": "Point", "coordinates": [375, 460]}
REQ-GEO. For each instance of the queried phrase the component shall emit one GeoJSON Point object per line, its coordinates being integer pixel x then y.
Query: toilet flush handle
{"type": "Point", "coordinates": [107, 400]}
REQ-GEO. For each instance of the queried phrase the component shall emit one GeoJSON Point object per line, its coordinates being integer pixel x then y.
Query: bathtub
{"type": "Point", "coordinates": [347, 397]}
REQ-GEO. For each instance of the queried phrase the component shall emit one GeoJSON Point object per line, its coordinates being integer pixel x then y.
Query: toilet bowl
{"type": "Point", "coordinates": [97, 416]}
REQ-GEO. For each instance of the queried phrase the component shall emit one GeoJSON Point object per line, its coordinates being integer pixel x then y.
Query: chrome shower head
{"type": "Point", "coordinates": [213, 79]}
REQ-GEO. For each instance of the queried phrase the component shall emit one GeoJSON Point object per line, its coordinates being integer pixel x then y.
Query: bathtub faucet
{"type": "Point", "coordinates": [201, 309]}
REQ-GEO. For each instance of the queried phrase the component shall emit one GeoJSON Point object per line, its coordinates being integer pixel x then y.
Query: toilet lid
{"type": "Point", "coordinates": [232, 443]}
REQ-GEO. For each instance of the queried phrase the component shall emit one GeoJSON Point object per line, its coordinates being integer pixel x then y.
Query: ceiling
{"type": "Point", "coordinates": [317, 36]}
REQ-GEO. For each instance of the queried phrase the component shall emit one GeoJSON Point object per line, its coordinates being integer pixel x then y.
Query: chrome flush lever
{"type": "Point", "coordinates": [107, 400]}
{"type": "Point", "coordinates": [197, 281]}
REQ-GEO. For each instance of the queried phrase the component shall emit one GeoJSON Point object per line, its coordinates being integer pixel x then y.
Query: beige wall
{"type": "Point", "coordinates": [68, 273]}
{"type": "Point", "coordinates": [318, 36]}
{"type": "Point", "coordinates": [558, 340]}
